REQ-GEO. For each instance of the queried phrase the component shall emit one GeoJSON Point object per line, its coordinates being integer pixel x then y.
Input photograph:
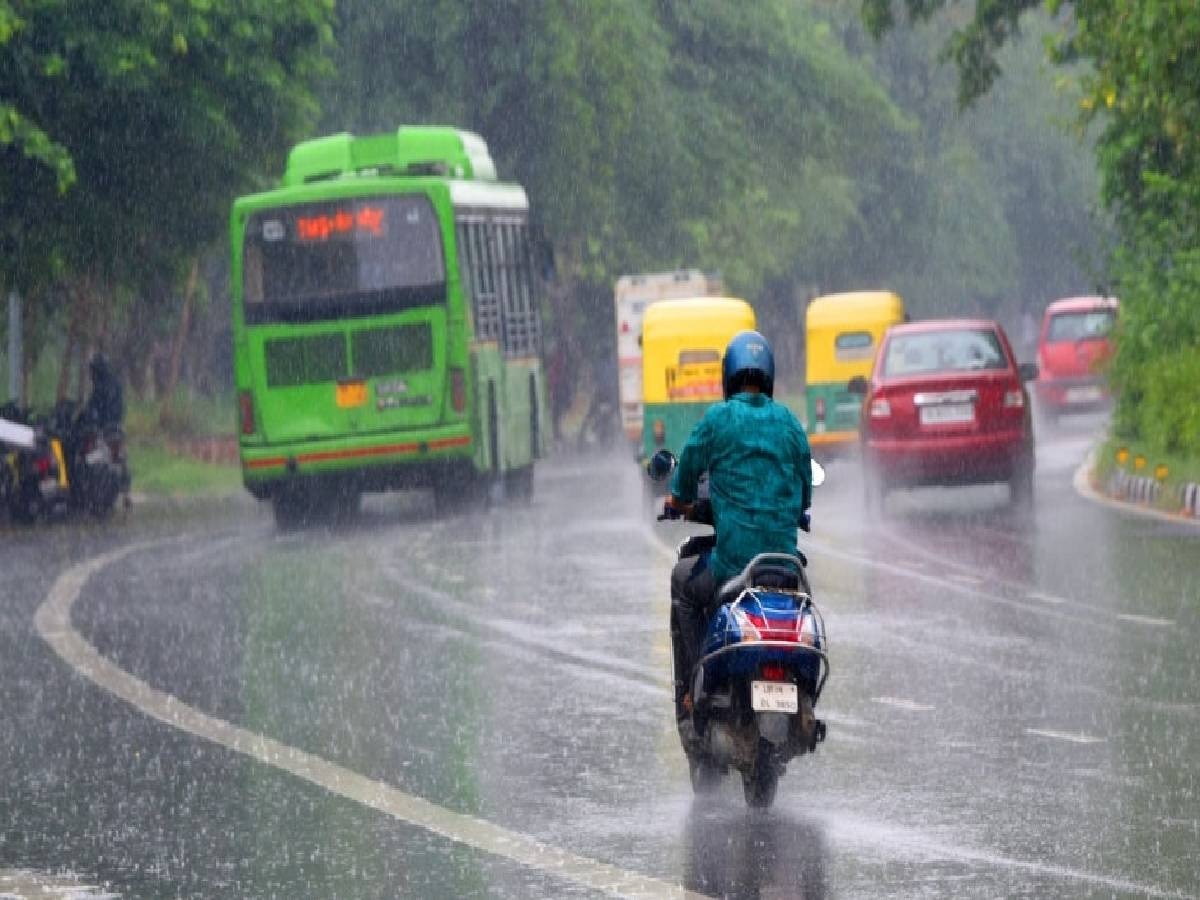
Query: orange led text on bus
{"type": "Point", "coordinates": [365, 220]}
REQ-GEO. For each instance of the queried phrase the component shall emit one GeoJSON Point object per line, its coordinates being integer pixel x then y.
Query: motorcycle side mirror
{"type": "Point", "coordinates": [661, 465]}
{"type": "Point", "coordinates": [818, 474]}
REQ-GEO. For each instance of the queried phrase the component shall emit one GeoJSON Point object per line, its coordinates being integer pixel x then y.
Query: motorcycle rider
{"type": "Point", "coordinates": [105, 405]}
{"type": "Point", "coordinates": [759, 466]}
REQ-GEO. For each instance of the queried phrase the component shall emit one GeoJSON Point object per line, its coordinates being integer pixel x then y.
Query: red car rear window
{"type": "Point", "coordinates": [1077, 326]}
{"type": "Point", "coordinates": [964, 350]}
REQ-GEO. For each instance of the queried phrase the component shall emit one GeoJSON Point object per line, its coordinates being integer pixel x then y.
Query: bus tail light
{"type": "Point", "coordinates": [660, 433]}
{"type": "Point", "coordinates": [458, 390]}
{"type": "Point", "coordinates": [246, 411]}
{"type": "Point", "coordinates": [819, 409]}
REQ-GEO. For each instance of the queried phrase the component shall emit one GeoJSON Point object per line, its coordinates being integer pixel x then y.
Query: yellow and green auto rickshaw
{"type": "Point", "coordinates": [842, 334]}
{"type": "Point", "coordinates": [682, 344]}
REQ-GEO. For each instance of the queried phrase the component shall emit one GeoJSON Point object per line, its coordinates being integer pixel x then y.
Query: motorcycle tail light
{"type": "Point", "coordinates": [43, 466]}
{"type": "Point", "coordinates": [246, 411]}
{"type": "Point", "coordinates": [773, 672]}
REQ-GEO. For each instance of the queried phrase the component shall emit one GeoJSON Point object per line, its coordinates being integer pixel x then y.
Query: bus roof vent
{"type": "Point", "coordinates": [410, 150]}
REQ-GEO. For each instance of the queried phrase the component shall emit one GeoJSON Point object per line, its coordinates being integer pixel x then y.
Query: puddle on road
{"type": "Point", "coordinates": [22, 884]}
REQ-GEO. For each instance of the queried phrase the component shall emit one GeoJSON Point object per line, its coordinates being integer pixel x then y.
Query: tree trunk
{"type": "Point", "coordinates": [185, 316]}
{"type": "Point", "coordinates": [68, 353]}
{"type": "Point", "coordinates": [90, 309]}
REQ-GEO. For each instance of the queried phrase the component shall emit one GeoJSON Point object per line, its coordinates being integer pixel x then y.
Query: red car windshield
{"type": "Point", "coordinates": [1079, 326]}
{"type": "Point", "coordinates": [928, 352]}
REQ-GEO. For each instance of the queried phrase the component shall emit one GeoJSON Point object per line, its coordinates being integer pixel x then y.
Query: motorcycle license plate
{"type": "Point", "coordinates": [774, 696]}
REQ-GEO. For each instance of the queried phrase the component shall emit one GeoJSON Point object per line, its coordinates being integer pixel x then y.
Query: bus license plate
{"type": "Point", "coordinates": [351, 394]}
{"type": "Point", "coordinates": [774, 696]}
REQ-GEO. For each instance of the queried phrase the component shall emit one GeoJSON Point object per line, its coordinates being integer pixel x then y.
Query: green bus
{"type": "Point", "coordinates": [386, 324]}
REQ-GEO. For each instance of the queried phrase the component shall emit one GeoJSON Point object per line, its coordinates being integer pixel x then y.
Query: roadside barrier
{"type": "Point", "coordinates": [1191, 498]}
{"type": "Point", "coordinates": [1150, 489]}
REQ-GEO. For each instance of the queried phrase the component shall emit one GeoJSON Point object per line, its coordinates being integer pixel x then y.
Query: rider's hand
{"type": "Point", "coordinates": [673, 508]}
{"type": "Point", "coordinates": [805, 521]}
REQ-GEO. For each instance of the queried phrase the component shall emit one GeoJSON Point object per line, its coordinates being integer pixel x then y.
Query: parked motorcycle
{"type": "Point", "coordinates": [53, 464]}
{"type": "Point", "coordinates": [34, 481]}
{"type": "Point", "coordinates": [762, 668]}
{"type": "Point", "coordinates": [97, 463]}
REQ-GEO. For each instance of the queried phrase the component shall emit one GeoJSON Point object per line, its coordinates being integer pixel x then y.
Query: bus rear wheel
{"type": "Point", "coordinates": [518, 483]}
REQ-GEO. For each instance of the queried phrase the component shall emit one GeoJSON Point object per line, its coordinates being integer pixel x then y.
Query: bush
{"type": "Point", "coordinates": [1168, 416]}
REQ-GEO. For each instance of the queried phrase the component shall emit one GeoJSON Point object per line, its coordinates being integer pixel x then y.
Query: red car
{"type": "Point", "coordinates": [946, 405]}
{"type": "Point", "coordinates": [1075, 343]}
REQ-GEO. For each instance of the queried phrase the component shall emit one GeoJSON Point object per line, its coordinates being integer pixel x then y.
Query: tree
{"type": "Point", "coordinates": [161, 112]}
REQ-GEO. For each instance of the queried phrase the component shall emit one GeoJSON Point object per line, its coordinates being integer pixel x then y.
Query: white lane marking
{"type": "Point", "coordinates": [963, 578]}
{"type": "Point", "coordinates": [1077, 738]}
{"type": "Point", "coordinates": [53, 623]}
{"type": "Point", "coordinates": [1146, 620]}
{"type": "Point", "coordinates": [910, 844]}
{"type": "Point", "coordinates": [901, 703]}
{"type": "Point", "coordinates": [1046, 598]}
{"type": "Point", "coordinates": [23, 884]}
{"type": "Point", "coordinates": [973, 591]}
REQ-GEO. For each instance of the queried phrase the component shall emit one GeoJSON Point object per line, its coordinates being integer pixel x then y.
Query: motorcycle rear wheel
{"type": "Point", "coordinates": [706, 776]}
{"type": "Point", "coordinates": [759, 784]}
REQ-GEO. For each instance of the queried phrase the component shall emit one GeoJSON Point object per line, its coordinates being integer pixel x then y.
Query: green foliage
{"type": "Point", "coordinates": [1142, 90]}
{"type": "Point", "coordinates": [154, 115]}
{"type": "Point", "coordinates": [771, 141]}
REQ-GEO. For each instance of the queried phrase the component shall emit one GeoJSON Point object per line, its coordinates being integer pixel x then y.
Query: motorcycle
{"type": "Point", "coordinates": [53, 464]}
{"type": "Point", "coordinates": [763, 665]}
{"type": "Point", "coordinates": [34, 481]}
{"type": "Point", "coordinates": [97, 462]}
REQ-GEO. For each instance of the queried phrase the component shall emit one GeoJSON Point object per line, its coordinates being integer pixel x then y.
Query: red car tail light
{"type": "Point", "coordinates": [880, 408]}
{"type": "Point", "coordinates": [1014, 399]}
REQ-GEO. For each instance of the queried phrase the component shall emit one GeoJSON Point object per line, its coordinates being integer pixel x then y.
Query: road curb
{"type": "Point", "coordinates": [1135, 493]}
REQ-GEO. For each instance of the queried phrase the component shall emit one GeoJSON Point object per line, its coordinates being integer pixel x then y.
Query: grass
{"type": "Point", "coordinates": [157, 471]}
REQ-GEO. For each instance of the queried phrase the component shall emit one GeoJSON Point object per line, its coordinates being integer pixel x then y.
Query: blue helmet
{"type": "Point", "coordinates": [748, 360]}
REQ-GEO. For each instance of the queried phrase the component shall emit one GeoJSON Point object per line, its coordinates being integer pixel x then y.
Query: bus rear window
{"type": "Point", "coordinates": [347, 257]}
{"type": "Point", "coordinates": [392, 351]}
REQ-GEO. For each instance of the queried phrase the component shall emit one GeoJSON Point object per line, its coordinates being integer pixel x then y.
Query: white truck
{"type": "Point", "coordinates": [632, 295]}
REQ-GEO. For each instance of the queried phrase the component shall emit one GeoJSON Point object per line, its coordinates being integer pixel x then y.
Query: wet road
{"type": "Point", "coordinates": [478, 705]}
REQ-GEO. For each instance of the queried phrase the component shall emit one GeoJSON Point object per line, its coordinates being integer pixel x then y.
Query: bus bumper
{"type": "Point", "coordinates": [374, 463]}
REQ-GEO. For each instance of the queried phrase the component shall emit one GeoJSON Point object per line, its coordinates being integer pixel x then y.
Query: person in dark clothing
{"type": "Point", "coordinates": [759, 466]}
{"type": "Point", "coordinates": [105, 405]}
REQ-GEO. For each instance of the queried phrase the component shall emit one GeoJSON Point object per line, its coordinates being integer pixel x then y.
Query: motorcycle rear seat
{"type": "Point", "coordinates": [778, 577]}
